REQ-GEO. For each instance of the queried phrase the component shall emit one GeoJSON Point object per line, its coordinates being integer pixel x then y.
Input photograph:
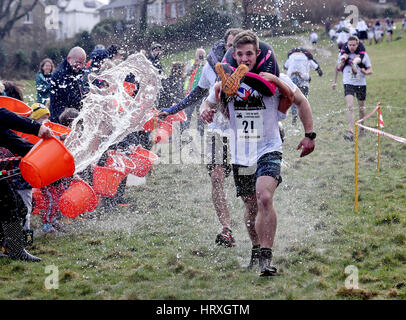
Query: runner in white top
{"type": "Point", "coordinates": [218, 166]}
{"type": "Point", "coordinates": [354, 84]}
{"type": "Point", "coordinates": [298, 68]}
{"type": "Point", "coordinates": [254, 126]}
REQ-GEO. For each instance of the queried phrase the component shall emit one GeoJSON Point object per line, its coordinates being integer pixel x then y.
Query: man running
{"type": "Point", "coordinates": [257, 147]}
{"type": "Point", "coordinates": [355, 84]}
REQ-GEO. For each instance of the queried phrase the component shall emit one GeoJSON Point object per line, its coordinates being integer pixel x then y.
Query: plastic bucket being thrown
{"type": "Point", "coordinates": [163, 132]}
{"type": "Point", "coordinates": [15, 106]}
{"type": "Point", "coordinates": [177, 117]}
{"type": "Point", "coordinates": [29, 137]}
{"type": "Point", "coordinates": [78, 199]}
{"type": "Point", "coordinates": [57, 128]}
{"type": "Point", "coordinates": [106, 181]}
{"type": "Point", "coordinates": [47, 162]}
{"type": "Point", "coordinates": [118, 160]}
{"type": "Point", "coordinates": [143, 160]}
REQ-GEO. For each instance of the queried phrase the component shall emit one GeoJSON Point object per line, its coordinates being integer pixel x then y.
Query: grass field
{"type": "Point", "coordinates": [162, 246]}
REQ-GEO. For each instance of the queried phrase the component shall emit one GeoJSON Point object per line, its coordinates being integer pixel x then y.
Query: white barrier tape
{"type": "Point", "coordinates": [382, 133]}
{"type": "Point", "coordinates": [368, 115]}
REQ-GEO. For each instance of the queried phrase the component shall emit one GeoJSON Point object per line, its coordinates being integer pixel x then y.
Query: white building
{"type": "Point", "coordinates": [76, 16]}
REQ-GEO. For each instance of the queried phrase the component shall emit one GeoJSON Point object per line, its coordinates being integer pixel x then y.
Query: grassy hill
{"type": "Point", "coordinates": [162, 246]}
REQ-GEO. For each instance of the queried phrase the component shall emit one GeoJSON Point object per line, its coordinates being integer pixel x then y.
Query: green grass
{"type": "Point", "coordinates": [162, 246]}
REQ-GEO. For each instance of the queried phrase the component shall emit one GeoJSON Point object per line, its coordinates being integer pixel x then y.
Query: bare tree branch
{"type": "Point", "coordinates": [8, 18]}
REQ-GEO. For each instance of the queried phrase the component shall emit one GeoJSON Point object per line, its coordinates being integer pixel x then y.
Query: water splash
{"type": "Point", "coordinates": [108, 115]}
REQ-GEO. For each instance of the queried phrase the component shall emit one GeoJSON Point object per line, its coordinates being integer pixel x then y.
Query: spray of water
{"type": "Point", "coordinates": [108, 115]}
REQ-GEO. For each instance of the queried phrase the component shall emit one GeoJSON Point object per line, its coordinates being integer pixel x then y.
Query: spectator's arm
{"type": "Point", "coordinates": [195, 95]}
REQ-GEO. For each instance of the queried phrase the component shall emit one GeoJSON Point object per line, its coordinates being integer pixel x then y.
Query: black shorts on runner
{"type": "Point", "coordinates": [245, 178]}
{"type": "Point", "coordinates": [359, 91]}
{"type": "Point", "coordinates": [363, 35]}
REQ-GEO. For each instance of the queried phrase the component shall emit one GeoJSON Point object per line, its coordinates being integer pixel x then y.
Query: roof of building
{"type": "Point", "coordinates": [120, 3]}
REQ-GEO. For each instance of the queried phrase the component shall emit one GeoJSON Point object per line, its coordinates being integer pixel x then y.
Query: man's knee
{"type": "Point", "coordinates": [265, 198]}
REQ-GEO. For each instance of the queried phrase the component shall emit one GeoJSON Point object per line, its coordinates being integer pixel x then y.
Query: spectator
{"type": "Point", "coordinates": [40, 113]}
{"type": "Point", "coordinates": [13, 90]}
{"type": "Point", "coordinates": [155, 54]}
{"type": "Point", "coordinates": [43, 81]}
{"type": "Point", "coordinates": [195, 71]}
{"type": "Point", "coordinates": [12, 206]}
{"type": "Point", "coordinates": [115, 53]}
{"type": "Point", "coordinates": [67, 84]}
{"type": "Point", "coordinates": [172, 87]}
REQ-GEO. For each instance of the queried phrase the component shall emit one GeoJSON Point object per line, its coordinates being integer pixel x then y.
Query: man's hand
{"type": "Point", "coordinates": [217, 91]}
{"type": "Point", "coordinates": [207, 115]}
{"type": "Point", "coordinates": [333, 86]}
{"type": "Point", "coordinates": [162, 115]}
{"type": "Point", "coordinates": [308, 146]}
{"type": "Point", "coordinates": [268, 76]}
{"type": "Point", "coordinates": [45, 132]}
{"type": "Point", "coordinates": [344, 57]}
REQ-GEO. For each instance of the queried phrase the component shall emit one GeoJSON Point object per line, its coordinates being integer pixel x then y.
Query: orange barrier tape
{"type": "Point", "coordinates": [380, 132]}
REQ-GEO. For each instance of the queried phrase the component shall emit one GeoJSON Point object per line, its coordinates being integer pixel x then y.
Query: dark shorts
{"type": "Point", "coordinates": [305, 90]}
{"type": "Point", "coordinates": [245, 178]}
{"type": "Point", "coordinates": [359, 91]}
{"type": "Point", "coordinates": [218, 153]}
{"type": "Point", "coordinates": [363, 35]}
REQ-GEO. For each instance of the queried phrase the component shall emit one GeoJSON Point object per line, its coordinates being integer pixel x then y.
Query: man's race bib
{"type": "Point", "coordinates": [249, 108]}
{"type": "Point", "coordinates": [250, 125]}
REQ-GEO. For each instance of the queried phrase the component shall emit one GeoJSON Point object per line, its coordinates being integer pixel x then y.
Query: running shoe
{"type": "Point", "coordinates": [349, 136]}
{"type": "Point", "coordinates": [225, 238]}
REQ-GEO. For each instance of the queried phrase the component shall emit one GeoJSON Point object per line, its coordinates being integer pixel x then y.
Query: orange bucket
{"type": "Point", "coordinates": [177, 117]}
{"type": "Point", "coordinates": [40, 202]}
{"type": "Point", "coordinates": [47, 162]}
{"type": "Point", "coordinates": [143, 160]}
{"type": "Point", "coordinates": [78, 199]}
{"type": "Point", "coordinates": [57, 128]}
{"type": "Point", "coordinates": [106, 181]}
{"type": "Point", "coordinates": [120, 161]}
{"type": "Point", "coordinates": [15, 106]}
{"type": "Point", "coordinates": [29, 137]}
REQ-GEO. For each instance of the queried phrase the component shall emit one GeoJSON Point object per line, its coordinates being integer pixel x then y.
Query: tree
{"type": "Point", "coordinates": [144, 15]}
{"type": "Point", "coordinates": [10, 12]}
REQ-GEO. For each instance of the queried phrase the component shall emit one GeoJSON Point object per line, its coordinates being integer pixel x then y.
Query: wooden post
{"type": "Point", "coordinates": [356, 168]}
{"type": "Point", "coordinates": [378, 156]}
